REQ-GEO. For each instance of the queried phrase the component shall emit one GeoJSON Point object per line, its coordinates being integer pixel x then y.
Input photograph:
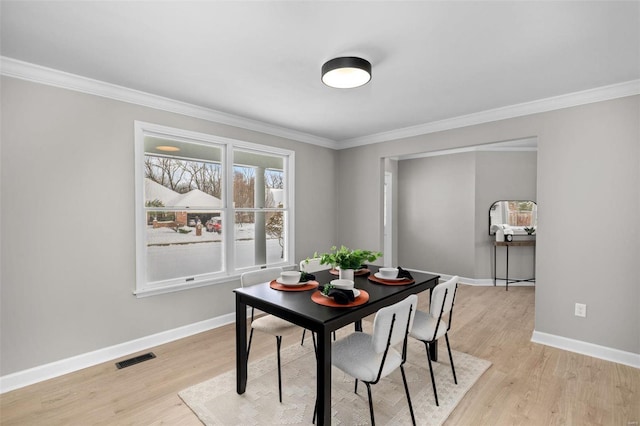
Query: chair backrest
{"type": "Point", "coordinates": [404, 312]}
{"type": "Point", "coordinates": [312, 265]}
{"type": "Point", "coordinates": [260, 276]}
{"type": "Point", "coordinates": [440, 303]}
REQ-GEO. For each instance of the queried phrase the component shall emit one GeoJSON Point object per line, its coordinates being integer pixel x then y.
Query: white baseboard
{"type": "Point", "coordinates": [58, 368]}
{"type": "Point", "coordinates": [571, 345]}
{"type": "Point", "coordinates": [488, 282]}
{"type": "Point", "coordinates": [478, 281]}
{"type": "Point", "coordinates": [585, 348]}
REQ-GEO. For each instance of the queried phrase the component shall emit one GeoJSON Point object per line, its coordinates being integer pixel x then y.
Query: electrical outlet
{"type": "Point", "coordinates": [581, 310]}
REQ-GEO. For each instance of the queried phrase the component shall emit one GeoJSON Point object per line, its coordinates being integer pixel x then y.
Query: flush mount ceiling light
{"type": "Point", "coordinates": [346, 72]}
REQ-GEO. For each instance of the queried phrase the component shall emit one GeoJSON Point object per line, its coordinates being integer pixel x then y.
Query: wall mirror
{"type": "Point", "coordinates": [521, 216]}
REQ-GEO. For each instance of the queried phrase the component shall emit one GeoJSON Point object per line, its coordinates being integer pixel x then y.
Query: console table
{"type": "Point", "coordinates": [507, 244]}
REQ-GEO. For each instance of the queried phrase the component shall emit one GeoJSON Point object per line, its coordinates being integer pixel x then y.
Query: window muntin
{"type": "Point", "coordinates": [186, 198]}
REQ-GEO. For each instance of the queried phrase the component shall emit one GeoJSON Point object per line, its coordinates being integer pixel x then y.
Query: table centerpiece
{"type": "Point", "coordinates": [347, 260]}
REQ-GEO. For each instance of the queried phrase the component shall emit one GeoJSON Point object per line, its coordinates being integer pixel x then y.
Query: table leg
{"type": "Point", "coordinates": [495, 270]}
{"type": "Point", "coordinates": [241, 346]}
{"type": "Point", "coordinates": [323, 382]}
{"type": "Point", "coordinates": [507, 268]}
{"type": "Point", "coordinates": [534, 264]}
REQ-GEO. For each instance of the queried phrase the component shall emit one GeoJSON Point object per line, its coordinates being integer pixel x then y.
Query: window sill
{"type": "Point", "coordinates": [186, 286]}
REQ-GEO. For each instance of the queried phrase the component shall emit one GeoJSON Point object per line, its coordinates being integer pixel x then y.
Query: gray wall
{"type": "Point", "coordinates": [66, 278]}
{"type": "Point", "coordinates": [67, 225]}
{"type": "Point", "coordinates": [436, 214]}
{"type": "Point", "coordinates": [588, 166]}
{"type": "Point", "coordinates": [443, 211]}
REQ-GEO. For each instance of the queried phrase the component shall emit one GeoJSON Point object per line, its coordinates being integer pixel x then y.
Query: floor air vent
{"type": "Point", "coordinates": [135, 360]}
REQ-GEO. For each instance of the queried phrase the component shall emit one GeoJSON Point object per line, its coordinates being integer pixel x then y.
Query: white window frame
{"type": "Point", "coordinates": [229, 272]}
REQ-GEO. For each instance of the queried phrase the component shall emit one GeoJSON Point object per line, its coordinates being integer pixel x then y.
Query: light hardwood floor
{"type": "Point", "coordinates": [528, 384]}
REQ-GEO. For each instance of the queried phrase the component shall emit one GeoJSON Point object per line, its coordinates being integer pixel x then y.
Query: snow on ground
{"type": "Point", "coordinates": [170, 255]}
{"type": "Point", "coordinates": [169, 236]}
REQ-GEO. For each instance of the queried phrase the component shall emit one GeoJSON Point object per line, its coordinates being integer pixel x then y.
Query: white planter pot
{"type": "Point", "coordinates": [346, 274]}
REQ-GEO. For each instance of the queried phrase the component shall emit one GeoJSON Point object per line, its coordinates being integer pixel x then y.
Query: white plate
{"type": "Point", "coordinates": [291, 285]}
{"type": "Point", "coordinates": [356, 293]}
{"type": "Point", "coordinates": [377, 275]}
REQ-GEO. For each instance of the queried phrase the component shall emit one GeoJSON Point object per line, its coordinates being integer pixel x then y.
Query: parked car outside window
{"type": "Point", "coordinates": [214, 225]}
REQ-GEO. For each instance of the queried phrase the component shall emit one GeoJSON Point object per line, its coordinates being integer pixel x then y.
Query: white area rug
{"type": "Point", "coordinates": [216, 402]}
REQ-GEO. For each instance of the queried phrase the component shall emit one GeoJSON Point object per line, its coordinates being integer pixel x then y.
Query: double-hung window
{"type": "Point", "coordinates": [208, 208]}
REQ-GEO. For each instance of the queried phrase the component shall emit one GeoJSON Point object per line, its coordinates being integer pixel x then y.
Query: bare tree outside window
{"type": "Point", "coordinates": [182, 176]}
{"type": "Point", "coordinates": [274, 180]}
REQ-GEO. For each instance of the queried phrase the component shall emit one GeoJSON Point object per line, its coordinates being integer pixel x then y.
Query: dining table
{"type": "Point", "coordinates": [298, 308]}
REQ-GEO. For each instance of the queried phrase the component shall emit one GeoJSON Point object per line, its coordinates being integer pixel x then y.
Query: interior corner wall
{"type": "Point", "coordinates": [587, 167]}
{"type": "Point", "coordinates": [502, 175]}
{"type": "Point", "coordinates": [436, 204]}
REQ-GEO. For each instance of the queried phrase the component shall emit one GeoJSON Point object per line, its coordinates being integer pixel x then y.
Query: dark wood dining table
{"type": "Point", "coordinates": [298, 308]}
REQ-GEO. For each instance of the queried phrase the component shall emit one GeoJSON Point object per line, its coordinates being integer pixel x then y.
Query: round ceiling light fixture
{"type": "Point", "coordinates": [346, 72]}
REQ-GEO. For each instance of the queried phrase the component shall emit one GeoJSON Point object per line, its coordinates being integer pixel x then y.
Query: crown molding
{"type": "Point", "coordinates": [26, 71]}
{"type": "Point", "coordinates": [479, 148]}
{"type": "Point", "coordinates": [599, 94]}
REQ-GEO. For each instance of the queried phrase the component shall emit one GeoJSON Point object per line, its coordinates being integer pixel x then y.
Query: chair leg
{"type": "Point", "coordinates": [355, 388]}
{"type": "Point", "coordinates": [406, 389]}
{"type": "Point", "coordinates": [315, 411]}
{"type": "Point", "coordinates": [278, 344]}
{"type": "Point", "coordinates": [373, 420]}
{"type": "Point", "coordinates": [315, 346]}
{"type": "Point", "coordinates": [453, 369]}
{"type": "Point", "coordinates": [304, 331]}
{"type": "Point", "coordinates": [433, 380]}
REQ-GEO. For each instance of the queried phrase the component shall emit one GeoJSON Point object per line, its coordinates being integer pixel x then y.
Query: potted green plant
{"type": "Point", "coordinates": [347, 260]}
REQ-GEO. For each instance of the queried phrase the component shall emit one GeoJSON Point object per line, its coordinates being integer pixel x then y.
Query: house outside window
{"type": "Point", "coordinates": [208, 208]}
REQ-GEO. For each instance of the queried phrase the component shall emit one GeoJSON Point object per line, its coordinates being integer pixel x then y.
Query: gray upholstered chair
{"type": "Point", "coordinates": [428, 327]}
{"type": "Point", "coordinates": [370, 357]}
{"type": "Point", "coordinates": [269, 324]}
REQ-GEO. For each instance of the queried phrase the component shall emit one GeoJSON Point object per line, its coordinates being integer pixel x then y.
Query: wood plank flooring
{"type": "Point", "coordinates": [528, 384]}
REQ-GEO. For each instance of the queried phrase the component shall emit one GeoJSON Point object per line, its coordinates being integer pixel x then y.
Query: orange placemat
{"type": "Point", "coordinates": [309, 286]}
{"type": "Point", "coordinates": [363, 271]}
{"type": "Point", "coordinates": [405, 281]}
{"type": "Point", "coordinates": [328, 301]}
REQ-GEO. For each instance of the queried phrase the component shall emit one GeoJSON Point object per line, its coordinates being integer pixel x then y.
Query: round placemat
{"type": "Point", "coordinates": [309, 286]}
{"type": "Point", "coordinates": [328, 301]}
{"type": "Point", "coordinates": [375, 279]}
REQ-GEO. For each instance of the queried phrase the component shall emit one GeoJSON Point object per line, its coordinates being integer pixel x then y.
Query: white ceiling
{"type": "Point", "coordinates": [432, 61]}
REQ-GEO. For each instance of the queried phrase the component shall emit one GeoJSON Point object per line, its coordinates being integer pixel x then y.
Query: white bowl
{"type": "Point", "coordinates": [290, 277]}
{"type": "Point", "coordinates": [388, 272]}
{"type": "Point", "coordinates": [342, 284]}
